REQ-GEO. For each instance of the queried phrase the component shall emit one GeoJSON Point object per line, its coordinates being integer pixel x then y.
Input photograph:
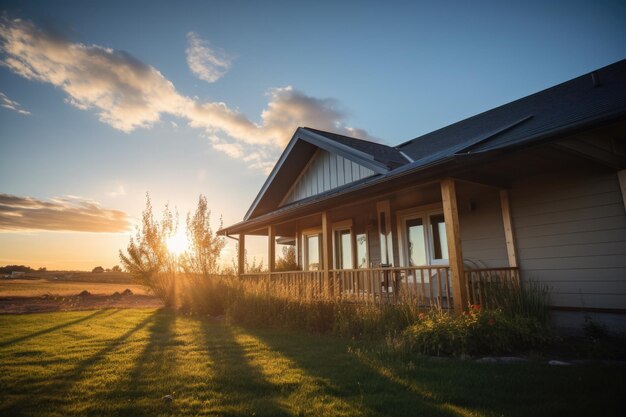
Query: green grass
{"type": "Point", "coordinates": [122, 362]}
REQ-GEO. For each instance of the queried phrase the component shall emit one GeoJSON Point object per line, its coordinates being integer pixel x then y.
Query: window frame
{"type": "Point", "coordinates": [305, 248]}
{"type": "Point", "coordinates": [342, 226]}
{"type": "Point", "coordinates": [425, 213]}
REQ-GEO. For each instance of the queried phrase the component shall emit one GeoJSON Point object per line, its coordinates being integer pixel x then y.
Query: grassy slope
{"type": "Point", "coordinates": [121, 362]}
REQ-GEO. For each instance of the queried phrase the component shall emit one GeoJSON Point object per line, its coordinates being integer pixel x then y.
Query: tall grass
{"type": "Point", "coordinates": [516, 299]}
{"type": "Point", "coordinates": [513, 317]}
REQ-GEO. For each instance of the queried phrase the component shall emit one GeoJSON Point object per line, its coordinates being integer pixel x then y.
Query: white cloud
{"type": "Point", "coordinates": [206, 63]}
{"type": "Point", "coordinates": [7, 103]}
{"type": "Point", "coordinates": [128, 94]}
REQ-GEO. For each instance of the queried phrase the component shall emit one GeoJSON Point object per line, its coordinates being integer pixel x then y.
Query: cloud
{"type": "Point", "coordinates": [128, 94]}
{"type": "Point", "coordinates": [7, 103]}
{"type": "Point", "coordinates": [206, 63]}
{"type": "Point", "coordinates": [69, 213]}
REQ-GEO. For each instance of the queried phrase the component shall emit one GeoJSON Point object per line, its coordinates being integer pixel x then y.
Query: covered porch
{"type": "Point", "coordinates": [406, 244]}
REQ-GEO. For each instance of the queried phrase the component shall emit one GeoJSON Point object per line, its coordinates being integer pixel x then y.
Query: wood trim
{"type": "Point", "coordinates": [241, 255]}
{"type": "Point", "coordinates": [271, 248]}
{"type": "Point", "coordinates": [455, 251]}
{"type": "Point", "coordinates": [508, 228]}
{"type": "Point", "coordinates": [589, 309]}
{"type": "Point", "coordinates": [327, 248]}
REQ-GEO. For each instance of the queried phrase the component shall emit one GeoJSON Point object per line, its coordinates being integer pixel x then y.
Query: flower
{"type": "Point", "coordinates": [491, 322]}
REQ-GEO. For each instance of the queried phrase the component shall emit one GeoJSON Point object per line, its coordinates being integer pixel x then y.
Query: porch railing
{"type": "Point", "coordinates": [427, 286]}
{"type": "Point", "coordinates": [479, 281]}
{"type": "Point", "coordinates": [424, 286]}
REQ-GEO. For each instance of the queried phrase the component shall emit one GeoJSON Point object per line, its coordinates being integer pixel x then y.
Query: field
{"type": "Point", "coordinates": [58, 291]}
{"type": "Point", "coordinates": [123, 362]}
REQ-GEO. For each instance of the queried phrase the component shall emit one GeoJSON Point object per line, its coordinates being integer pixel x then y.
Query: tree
{"type": "Point", "coordinates": [202, 257]}
{"type": "Point", "coordinates": [288, 261]}
{"type": "Point", "coordinates": [97, 270]}
{"type": "Point", "coordinates": [116, 268]}
{"type": "Point", "coordinates": [147, 258]}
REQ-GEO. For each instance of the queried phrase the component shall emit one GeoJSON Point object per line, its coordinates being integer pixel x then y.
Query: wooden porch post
{"type": "Point", "coordinates": [327, 250]}
{"type": "Point", "coordinates": [455, 252]}
{"type": "Point", "coordinates": [241, 265]}
{"type": "Point", "coordinates": [508, 228]}
{"type": "Point", "coordinates": [271, 248]}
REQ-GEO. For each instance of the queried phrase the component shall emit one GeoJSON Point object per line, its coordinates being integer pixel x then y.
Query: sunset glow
{"type": "Point", "coordinates": [97, 110]}
{"type": "Point", "coordinates": [177, 243]}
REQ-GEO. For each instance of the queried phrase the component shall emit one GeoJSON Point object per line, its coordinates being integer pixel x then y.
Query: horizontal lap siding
{"type": "Point", "coordinates": [571, 235]}
{"type": "Point", "coordinates": [482, 230]}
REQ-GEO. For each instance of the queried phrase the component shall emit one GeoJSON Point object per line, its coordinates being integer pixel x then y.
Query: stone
{"type": "Point", "coordinates": [558, 363]}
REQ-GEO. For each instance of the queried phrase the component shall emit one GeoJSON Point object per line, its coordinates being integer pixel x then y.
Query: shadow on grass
{"type": "Point", "coordinates": [52, 393]}
{"type": "Point", "coordinates": [375, 391]}
{"type": "Point", "coordinates": [54, 328]}
{"type": "Point", "coordinates": [239, 387]}
{"type": "Point", "coordinates": [151, 377]}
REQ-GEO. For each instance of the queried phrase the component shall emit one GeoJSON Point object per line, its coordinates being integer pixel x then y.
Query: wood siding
{"type": "Point", "coordinates": [571, 234]}
{"type": "Point", "coordinates": [325, 172]}
{"type": "Point", "coordinates": [482, 229]}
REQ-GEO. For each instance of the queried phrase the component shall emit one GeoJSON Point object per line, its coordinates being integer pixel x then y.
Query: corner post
{"type": "Point", "coordinates": [327, 250]}
{"type": "Point", "coordinates": [455, 252]}
{"type": "Point", "coordinates": [508, 228]}
{"type": "Point", "coordinates": [241, 256]}
{"type": "Point", "coordinates": [271, 249]}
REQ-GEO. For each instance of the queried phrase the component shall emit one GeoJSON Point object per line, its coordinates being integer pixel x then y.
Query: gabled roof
{"type": "Point", "coordinates": [303, 144]}
{"type": "Point", "coordinates": [580, 103]}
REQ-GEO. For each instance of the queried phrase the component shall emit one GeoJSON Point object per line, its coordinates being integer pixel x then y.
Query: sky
{"type": "Point", "coordinates": [103, 102]}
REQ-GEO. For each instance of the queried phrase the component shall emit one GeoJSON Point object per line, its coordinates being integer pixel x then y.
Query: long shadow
{"type": "Point", "coordinates": [350, 379]}
{"type": "Point", "coordinates": [156, 363]}
{"type": "Point", "coordinates": [52, 395]}
{"type": "Point", "coordinates": [234, 379]}
{"type": "Point", "coordinates": [54, 328]}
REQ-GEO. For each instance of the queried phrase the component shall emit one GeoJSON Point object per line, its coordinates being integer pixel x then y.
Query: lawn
{"type": "Point", "coordinates": [122, 362]}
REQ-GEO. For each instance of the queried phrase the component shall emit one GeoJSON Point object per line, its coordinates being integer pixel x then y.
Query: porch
{"type": "Point", "coordinates": [402, 246]}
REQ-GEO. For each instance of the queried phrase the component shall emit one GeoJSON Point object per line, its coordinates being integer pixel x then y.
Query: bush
{"type": "Point", "coordinates": [476, 332]}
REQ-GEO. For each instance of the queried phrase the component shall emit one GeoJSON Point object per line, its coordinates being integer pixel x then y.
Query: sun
{"type": "Point", "coordinates": [177, 243]}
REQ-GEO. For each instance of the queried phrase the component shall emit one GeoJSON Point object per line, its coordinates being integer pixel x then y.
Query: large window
{"type": "Point", "coordinates": [343, 249]}
{"type": "Point", "coordinates": [423, 238]}
{"type": "Point", "coordinates": [311, 245]}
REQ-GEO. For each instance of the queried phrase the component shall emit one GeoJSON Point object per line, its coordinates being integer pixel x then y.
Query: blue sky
{"type": "Point", "coordinates": [391, 70]}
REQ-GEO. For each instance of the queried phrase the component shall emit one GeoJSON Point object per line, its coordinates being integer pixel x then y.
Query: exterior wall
{"type": "Point", "coordinates": [482, 229]}
{"type": "Point", "coordinates": [325, 172]}
{"type": "Point", "coordinates": [570, 231]}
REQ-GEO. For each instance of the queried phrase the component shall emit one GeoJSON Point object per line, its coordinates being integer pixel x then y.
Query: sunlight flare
{"type": "Point", "coordinates": [177, 243]}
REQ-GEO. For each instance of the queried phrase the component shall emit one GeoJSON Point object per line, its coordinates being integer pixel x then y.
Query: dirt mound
{"type": "Point", "coordinates": [127, 292]}
{"type": "Point", "coordinates": [84, 293]}
{"type": "Point", "coordinates": [116, 295]}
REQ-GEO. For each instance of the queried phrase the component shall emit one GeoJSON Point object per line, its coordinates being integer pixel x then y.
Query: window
{"type": "Point", "coordinates": [423, 239]}
{"type": "Point", "coordinates": [362, 260]}
{"type": "Point", "coordinates": [343, 249]}
{"type": "Point", "coordinates": [311, 245]}
{"type": "Point", "coordinates": [384, 229]}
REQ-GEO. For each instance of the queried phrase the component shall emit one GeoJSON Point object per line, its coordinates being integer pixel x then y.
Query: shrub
{"type": "Point", "coordinates": [478, 331]}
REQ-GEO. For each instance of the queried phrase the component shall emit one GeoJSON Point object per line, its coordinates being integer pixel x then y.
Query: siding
{"type": "Point", "coordinates": [482, 230]}
{"type": "Point", "coordinates": [571, 234]}
{"type": "Point", "coordinates": [325, 172]}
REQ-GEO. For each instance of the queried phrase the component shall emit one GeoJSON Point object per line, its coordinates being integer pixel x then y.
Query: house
{"type": "Point", "coordinates": [533, 190]}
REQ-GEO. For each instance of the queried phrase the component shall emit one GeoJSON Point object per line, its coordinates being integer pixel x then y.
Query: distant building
{"type": "Point", "coordinates": [18, 274]}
